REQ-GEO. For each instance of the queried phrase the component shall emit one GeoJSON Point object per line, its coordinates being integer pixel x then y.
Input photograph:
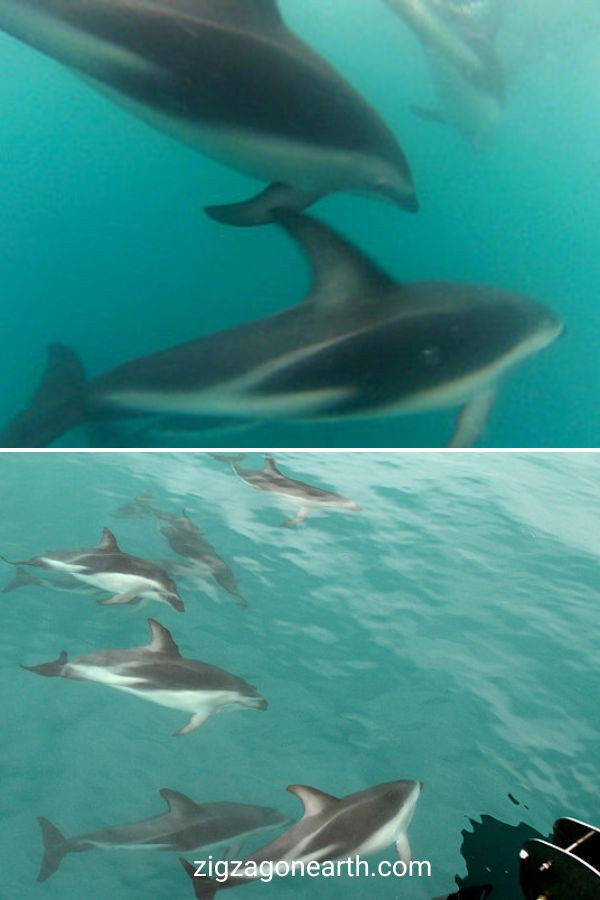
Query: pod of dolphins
{"type": "Point", "coordinates": [229, 78]}
{"type": "Point", "coordinates": [330, 828]}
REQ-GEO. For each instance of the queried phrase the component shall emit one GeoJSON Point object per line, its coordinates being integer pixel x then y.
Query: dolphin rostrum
{"type": "Point", "coordinates": [186, 826]}
{"type": "Point", "coordinates": [230, 79]}
{"type": "Point", "coordinates": [271, 480]}
{"type": "Point", "coordinates": [107, 568]}
{"type": "Point", "coordinates": [187, 540]}
{"type": "Point", "coordinates": [158, 673]}
{"type": "Point", "coordinates": [467, 73]}
{"type": "Point", "coordinates": [331, 829]}
{"type": "Point", "coordinates": [360, 345]}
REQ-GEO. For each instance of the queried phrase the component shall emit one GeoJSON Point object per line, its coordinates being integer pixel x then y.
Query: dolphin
{"type": "Point", "coordinates": [331, 829]}
{"type": "Point", "coordinates": [230, 79]}
{"type": "Point", "coordinates": [360, 345]}
{"type": "Point", "coordinates": [158, 673]}
{"type": "Point", "coordinates": [271, 480]}
{"type": "Point", "coordinates": [468, 75]}
{"type": "Point", "coordinates": [186, 539]}
{"type": "Point", "coordinates": [107, 568]}
{"type": "Point", "coordinates": [186, 826]}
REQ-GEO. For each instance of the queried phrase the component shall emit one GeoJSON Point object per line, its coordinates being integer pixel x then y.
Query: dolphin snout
{"type": "Point", "coordinates": [175, 601]}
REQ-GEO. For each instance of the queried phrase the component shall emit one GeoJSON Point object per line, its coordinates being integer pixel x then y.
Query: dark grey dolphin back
{"type": "Point", "coordinates": [261, 16]}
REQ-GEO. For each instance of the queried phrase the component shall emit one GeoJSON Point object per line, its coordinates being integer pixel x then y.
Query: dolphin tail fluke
{"type": "Point", "coordinates": [55, 847]}
{"type": "Point", "coordinates": [204, 888]}
{"type": "Point", "coordinates": [56, 407]}
{"type": "Point", "coordinates": [51, 669]}
{"type": "Point", "coordinates": [22, 579]}
{"type": "Point", "coordinates": [259, 210]}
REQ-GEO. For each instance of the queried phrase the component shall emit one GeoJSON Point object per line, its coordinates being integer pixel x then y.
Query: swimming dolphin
{"type": "Point", "coordinates": [467, 73]}
{"type": "Point", "coordinates": [271, 480]}
{"type": "Point", "coordinates": [360, 345]}
{"type": "Point", "coordinates": [107, 568]}
{"type": "Point", "coordinates": [158, 673]}
{"type": "Point", "coordinates": [186, 826]}
{"type": "Point", "coordinates": [230, 79]}
{"type": "Point", "coordinates": [331, 829]}
{"type": "Point", "coordinates": [186, 539]}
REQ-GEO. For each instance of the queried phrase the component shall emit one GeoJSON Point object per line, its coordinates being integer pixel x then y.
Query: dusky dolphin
{"type": "Point", "coordinates": [230, 79]}
{"type": "Point", "coordinates": [331, 829]}
{"type": "Point", "coordinates": [107, 568]}
{"type": "Point", "coordinates": [468, 75]}
{"type": "Point", "coordinates": [186, 826]}
{"type": "Point", "coordinates": [187, 540]}
{"type": "Point", "coordinates": [271, 480]}
{"type": "Point", "coordinates": [158, 673]}
{"type": "Point", "coordinates": [360, 345]}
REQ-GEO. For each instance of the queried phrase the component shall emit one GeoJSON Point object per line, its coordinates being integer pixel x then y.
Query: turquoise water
{"type": "Point", "coordinates": [105, 246]}
{"type": "Point", "coordinates": [448, 633]}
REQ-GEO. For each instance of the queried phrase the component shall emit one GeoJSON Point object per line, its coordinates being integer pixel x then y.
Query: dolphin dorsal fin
{"type": "Point", "coordinates": [312, 800]}
{"type": "Point", "coordinates": [178, 803]}
{"type": "Point", "coordinates": [161, 641]}
{"type": "Point", "coordinates": [271, 465]}
{"type": "Point", "coordinates": [259, 16]}
{"type": "Point", "coordinates": [109, 541]}
{"type": "Point", "coordinates": [341, 273]}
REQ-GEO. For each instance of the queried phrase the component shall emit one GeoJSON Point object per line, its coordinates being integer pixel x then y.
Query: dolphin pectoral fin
{"type": "Point", "coordinates": [428, 115]}
{"type": "Point", "coordinates": [57, 406]}
{"type": "Point", "coordinates": [121, 599]}
{"type": "Point", "coordinates": [472, 419]}
{"type": "Point", "coordinates": [259, 210]}
{"type": "Point", "coordinates": [302, 514]}
{"type": "Point", "coordinates": [403, 849]}
{"type": "Point", "coordinates": [194, 722]}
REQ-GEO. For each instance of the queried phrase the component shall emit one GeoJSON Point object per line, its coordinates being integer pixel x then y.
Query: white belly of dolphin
{"type": "Point", "coordinates": [120, 583]}
{"type": "Point", "coordinates": [187, 701]}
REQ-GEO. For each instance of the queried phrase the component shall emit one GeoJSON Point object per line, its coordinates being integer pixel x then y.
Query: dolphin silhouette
{"type": "Point", "coordinates": [107, 568]}
{"type": "Point", "coordinates": [360, 345]}
{"type": "Point", "coordinates": [230, 79]}
{"type": "Point", "coordinates": [187, 540]}
{"type": "Point", "coordinates": [466, 70]}
{"type": "Point", "coordinates": [185, 826]}
{"type": "Point", "coordinates": [158, 673]}
{"type": "Point", "coordinates": [273, 481]}
{"type": "Point", "coordinates": [332, 829]}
